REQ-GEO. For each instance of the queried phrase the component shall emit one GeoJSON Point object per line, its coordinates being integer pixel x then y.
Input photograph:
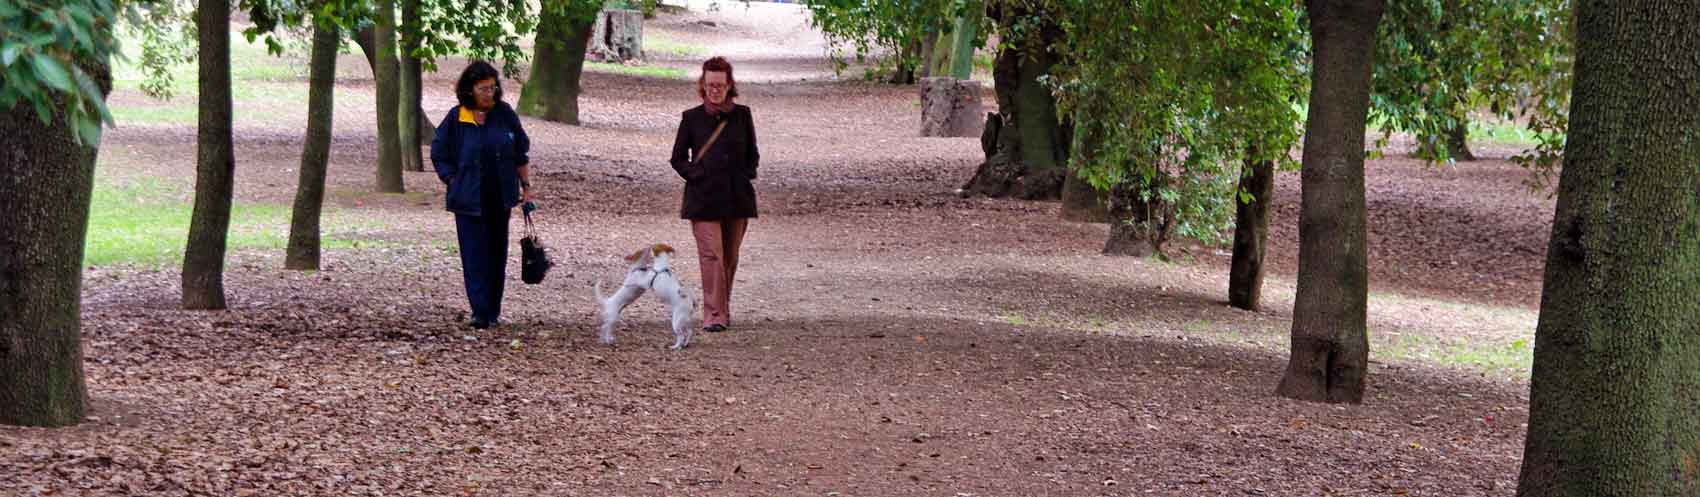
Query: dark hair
{"type": "Point", "coordinates": [477, 71]}
{"type": "Point", "coordinates": [718, 64]}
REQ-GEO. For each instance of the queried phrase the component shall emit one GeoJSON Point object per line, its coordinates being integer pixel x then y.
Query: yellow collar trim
{"type": "Point", "coordinates": [467, 117]}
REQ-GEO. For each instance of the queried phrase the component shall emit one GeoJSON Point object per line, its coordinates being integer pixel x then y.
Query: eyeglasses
{"type": "Point", "coordinates": [485, 90]}
{"type": "Point", "coordinates": [714, 86]}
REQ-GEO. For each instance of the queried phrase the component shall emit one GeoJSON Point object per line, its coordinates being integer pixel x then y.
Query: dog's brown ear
{"type": "Point", "coordinates": [637, 256]}
{"type": "Point", "coordinates": [662, 248]}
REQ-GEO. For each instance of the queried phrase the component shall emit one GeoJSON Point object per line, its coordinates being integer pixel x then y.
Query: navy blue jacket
{"type": "Point", "coordinates": [462, 149]}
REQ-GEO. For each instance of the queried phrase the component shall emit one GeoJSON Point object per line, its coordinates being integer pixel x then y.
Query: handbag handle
{"type": "Point", "coordinates": [710, 144]}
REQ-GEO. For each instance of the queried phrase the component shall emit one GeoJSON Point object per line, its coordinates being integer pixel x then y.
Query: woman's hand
{"type": "Point", "coordinates": [525, 194]}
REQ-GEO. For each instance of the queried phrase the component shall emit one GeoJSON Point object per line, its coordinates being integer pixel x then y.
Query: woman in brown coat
{"type": "Point", "coordinates": [715, 152]}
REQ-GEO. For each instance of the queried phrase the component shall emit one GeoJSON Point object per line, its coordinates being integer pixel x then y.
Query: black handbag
{"type": "Point", "coordinates": [534, 260]}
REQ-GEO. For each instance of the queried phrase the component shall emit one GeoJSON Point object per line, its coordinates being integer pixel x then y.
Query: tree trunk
{"type": "Point", "coordinates": [1458, 142]}
{"type": "Point", "coordinates": [1032, 145]}
{"type": "Point", "coordinates": [962, 41]}
{"type": "Point", "coordinates": [929, 44]}
{"type": "Point", "coordinates": [1251, 230]}
{"type": "Point", "coordinates": [1330, 349]}
{"type": "Point", "coordinates": [903, 73]}
{"type": "Point", "coordinates": [1138, 226]}
{"type": "Point", "coordinates": [215, 163]}
{"type": "Point", "coordinates": [366, 38]}
{"type": "Point", "coordinates": [1081, 202]}
{"type": "Point", "coordinates": [389, 98]}
{"type": "Point", "coordinates": [407, 111]}
{"type": "Point", "coordinates": [551, 92]}
{"type": "Point", "coordinates": [617, 35]}
{"type": "Point", "coordinates": [48, 183]}
{"type": "Point", "coordinates": [939, 57]}
{"type": "Point", "coordinates": [1616, 382]}
{"type": "Point", "coordinates": [303, 251]}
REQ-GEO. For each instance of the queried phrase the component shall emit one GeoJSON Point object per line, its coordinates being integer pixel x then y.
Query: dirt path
{"type": "Point", "coordinates": [890, 338]}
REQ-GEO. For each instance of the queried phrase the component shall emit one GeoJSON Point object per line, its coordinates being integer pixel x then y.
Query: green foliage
{"type": "Point", "coordinates": [1438, 60]}
{"type": "Point", "coordinates": [44, 46]}
{"type": "Point", "coordinates": [893, 26]}
{"type": "Point", "coordinates": [1173, 99]}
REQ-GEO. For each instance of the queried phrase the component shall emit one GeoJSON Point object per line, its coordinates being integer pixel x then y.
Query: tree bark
{"type": "Point", "coordinates": [1032, 145]}
{"type": "Point", "coordinates": [929, 45]}
{"type": "Point", "coordinates": [366, 38]}
{"type": "Point", "coordinates": [551, 92]}
{"type": "Point", "coordinates": [962, 41]}
{"type": "Point", "coordinates": [389, 97]}
{"type": "Point", "coordinates": [303, 251]}
{"type": "Point", "coordinates": [1458, 142]}
{"type": "Point", "coordinates": [215, 169]}
{"type": "Point", "coordinates": [1080, 201]}
{"type": "Point", "coordinates": [1330, 348]}
{"type": "Point", "coordinates": [1138, 226]}
{"type": "Point", "coordinates": [1251, 231]}
{"type": "Point", "coordinates": [903, 73]}
{"type": "Point", "coordinates": [408, 111]}
{"type": "Point", "coordinates": [48, 183]}
{"type": "Point", "coordinates": [1614, 405]}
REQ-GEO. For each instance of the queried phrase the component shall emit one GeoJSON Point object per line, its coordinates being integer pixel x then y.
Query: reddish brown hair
{"type": "Point", "coordinates": [718, 64]}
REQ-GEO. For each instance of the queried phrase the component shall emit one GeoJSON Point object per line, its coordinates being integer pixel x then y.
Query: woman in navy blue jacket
{"type": "Point", "coordinates": [480, 153]}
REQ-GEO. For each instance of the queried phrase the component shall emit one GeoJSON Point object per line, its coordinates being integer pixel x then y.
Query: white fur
{"type": "Point", "coordinates": [650, 272]}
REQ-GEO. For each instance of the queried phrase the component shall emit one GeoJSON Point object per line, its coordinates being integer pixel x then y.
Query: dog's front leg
{"type": "Point", "coordinates": [614, 306]}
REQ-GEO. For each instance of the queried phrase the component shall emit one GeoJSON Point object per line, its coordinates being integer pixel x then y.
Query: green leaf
{"type": "Point", "coordinates": [88, 131]}
{"type": "Point", "coordinates": [50, 72]}
{"type": "Point", "coordinates": [9, 54]}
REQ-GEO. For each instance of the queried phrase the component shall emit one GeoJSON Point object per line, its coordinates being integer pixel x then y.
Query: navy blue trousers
{"type": "Point", "coordinates": [484, 260]}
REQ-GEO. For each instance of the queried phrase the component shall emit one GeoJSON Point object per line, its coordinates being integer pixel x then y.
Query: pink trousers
{"type": "Point", "coordinates": [717, 254]}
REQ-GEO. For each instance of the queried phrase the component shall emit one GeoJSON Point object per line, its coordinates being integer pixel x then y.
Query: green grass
{"type": "Point", "coordinates": [145, 222]}
{"type": "Point", "coordinates": [641, 71]}
{"type": "Point", "coordinates": [662, 44]}
{"type": "Point", "coordinates": [1512, 359]}
{"type": "Point", "coordinates": [261, 84]}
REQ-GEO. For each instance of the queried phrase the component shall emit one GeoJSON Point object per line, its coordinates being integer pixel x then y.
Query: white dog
{"type": "Point", "coordinates": [649, 269]}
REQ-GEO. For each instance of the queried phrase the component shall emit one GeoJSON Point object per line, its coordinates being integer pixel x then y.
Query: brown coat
{"type": "Point", "coordinates": [719, 186]}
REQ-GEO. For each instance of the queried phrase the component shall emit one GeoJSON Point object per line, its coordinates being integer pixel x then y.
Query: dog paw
{"type": "Point", "coordinates": [607, 340]}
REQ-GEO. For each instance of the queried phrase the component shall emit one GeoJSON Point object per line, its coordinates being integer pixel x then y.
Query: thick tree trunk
{"type": "Point", "coordinates": [389, 98]}
{"type": "Point", "coordinates": [366, 38]}
{"type": "Point", "coordinates": [407, 111]}
{"type": "Point", "coordinates": [551, 92]}
{"type": "Point", "coordinates": [1138, 226]}
{"type": "Point", "coordinates": [1330, 348]}
{"type": "Point", "coordinates": [209, 226]}
{"type": "Point", "coordinates": [1251, 230]}
{"type": "Point", "coordinates": [616, 35]}
{"type": "Point", "coordinates": [303, 251]}
{"type": "Point", "coordinates": [48, 183]}
{"type": "Point", "coordinates": [1614, 405]}
{"type": "Point", "coordinates": [962, 41]}
{"type": "Point", "coordinates": [1032, 145]}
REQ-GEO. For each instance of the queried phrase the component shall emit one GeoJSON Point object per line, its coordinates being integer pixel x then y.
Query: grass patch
{"type": "Point", "coordinates": [662, 44]}
{"type": "Point", "coordinates": [640, 71]}
{"type": "Point", "coordinates": [145, 222]}
{"type": "Point", "coordinates": [263, 87]}
{"type": "Point", "coordinates": [1512, 359]}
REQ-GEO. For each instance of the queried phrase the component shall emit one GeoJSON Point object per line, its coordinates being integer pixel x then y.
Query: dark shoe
{"type": "Point", "coordinates": [480, 324]}
{"type": "Point", "coordinates": [714, 328]}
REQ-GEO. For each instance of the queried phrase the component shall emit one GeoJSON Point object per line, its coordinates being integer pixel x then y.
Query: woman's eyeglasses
{"type": "Point", "coordinates": [485, 90]}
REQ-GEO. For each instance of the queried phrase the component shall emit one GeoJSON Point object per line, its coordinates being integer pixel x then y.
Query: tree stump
{"type": "Point", "coordinates": [951, 107]}
{"type": "Point", "coordinates": [617, 35]}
